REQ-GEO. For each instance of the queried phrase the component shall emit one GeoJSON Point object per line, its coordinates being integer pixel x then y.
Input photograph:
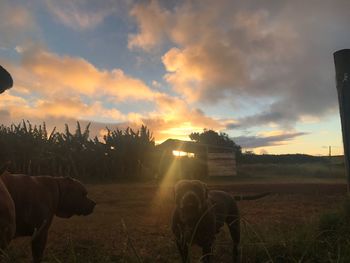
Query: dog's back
{"type": "Point", "coordinates": [224, 206]}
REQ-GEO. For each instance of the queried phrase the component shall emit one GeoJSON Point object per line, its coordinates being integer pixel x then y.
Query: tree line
{"type": "Point", "coordinates": [251, 158]}
{"type": "Point", "coordinates": [121, 154]}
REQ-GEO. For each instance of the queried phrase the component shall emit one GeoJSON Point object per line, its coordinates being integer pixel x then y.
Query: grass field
{"type": "Point", "coordinates": [131, 223]}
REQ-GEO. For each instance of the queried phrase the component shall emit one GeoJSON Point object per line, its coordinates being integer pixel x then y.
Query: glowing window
{"type": "Point", "coordinates": [182, 154]}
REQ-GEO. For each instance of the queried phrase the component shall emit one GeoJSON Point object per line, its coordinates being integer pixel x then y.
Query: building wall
{"type": "Point", "coordinates": [221, 164]}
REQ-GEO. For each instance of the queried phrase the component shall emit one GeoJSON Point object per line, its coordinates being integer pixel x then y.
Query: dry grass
{"type": "Point", "coordinates": [101, 237]}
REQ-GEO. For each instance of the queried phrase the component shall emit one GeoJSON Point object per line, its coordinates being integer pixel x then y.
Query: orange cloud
{"type": "Point", "coordinates": [52, 75]}
{"type": "Point", "coordinates": [153, 20]}
{"type": "Point", "coordinates": [51, 86]}
{"type": "Point", "coordinates": [20, 108]}
{"type": "Point", "coordinates": [175, 118]}
{"type": "Point", "coordinates": [219, 55]}
{"type": "Point", "coordinates": [54, 88]}
{"type": "Point", "coordinates": [17, 22]}
{"type": "Point", "coordinates": [195, 70]}
{"type": "Point", "coordinates": [172, 118]}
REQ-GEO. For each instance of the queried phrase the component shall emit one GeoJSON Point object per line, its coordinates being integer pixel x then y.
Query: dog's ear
{"type": "Point", "coordinates": [203, 187]}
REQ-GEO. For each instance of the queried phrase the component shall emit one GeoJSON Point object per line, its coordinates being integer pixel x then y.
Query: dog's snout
{"type": "Point", "coordinates": [190, 199]}
{"type": "Point", "coordinates": [89, 208]}
{"type": "Point", "coordinates": [92, 205]}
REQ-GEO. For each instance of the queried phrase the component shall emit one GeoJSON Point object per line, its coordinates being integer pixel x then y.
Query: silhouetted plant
{"type": "Point", "coordinates": [122, 154]}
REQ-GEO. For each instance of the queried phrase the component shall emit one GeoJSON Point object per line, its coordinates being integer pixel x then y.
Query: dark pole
{"type": "Point", "coordinates": [342, 73]}
{"type": "Point", "coordinates": [6, 81]}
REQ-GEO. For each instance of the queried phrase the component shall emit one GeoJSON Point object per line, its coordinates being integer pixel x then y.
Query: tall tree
{"type": "Point", "coordinates": [211, 137]}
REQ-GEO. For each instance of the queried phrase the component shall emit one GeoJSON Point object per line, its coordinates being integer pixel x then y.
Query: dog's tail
{"type": "Point", "coordinates": [250, 197]}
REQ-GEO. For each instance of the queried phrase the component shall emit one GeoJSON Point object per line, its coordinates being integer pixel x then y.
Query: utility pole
{"type": "Point", "coordinates": [342, 72]}
{"type": "Point", "coordinates": [330, 159]}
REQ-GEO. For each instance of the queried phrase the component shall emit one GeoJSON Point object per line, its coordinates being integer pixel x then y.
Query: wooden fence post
{"type": "Point", "coordinates": [342, 71]}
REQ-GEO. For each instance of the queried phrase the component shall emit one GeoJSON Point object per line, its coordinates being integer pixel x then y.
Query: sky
{"type": "Point", "coordinates": [260, 71]}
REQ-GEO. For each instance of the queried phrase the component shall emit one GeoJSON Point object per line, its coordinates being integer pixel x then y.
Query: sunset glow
{"type": "Point", "coordinates": [182, 154]}
{"type": "Point", "coordinates": [248, 69]}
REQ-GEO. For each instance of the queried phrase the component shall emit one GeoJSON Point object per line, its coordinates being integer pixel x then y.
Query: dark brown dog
{"type": "Point", "coordinates": [199, 215]}
{"type": "Point", "coordinates": [7, 217]}
{"type": "Point", "coordinates": [37, 199]}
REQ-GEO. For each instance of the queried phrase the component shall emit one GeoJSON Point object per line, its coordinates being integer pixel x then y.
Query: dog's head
{"type": "Point", "coordinates": [72, 198]}
{"type": "Point", "coordinates": [191, 199]}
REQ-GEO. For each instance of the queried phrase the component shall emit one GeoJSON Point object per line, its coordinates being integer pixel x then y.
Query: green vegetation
{"type": "Point", "coordinates": [122, 154]}
{"type": "Point", "coordinates": [132, 155]}
{"type": "Point", "coordinates": [249, 157]}
{"type": "Point", "coordinates": [211, 137]}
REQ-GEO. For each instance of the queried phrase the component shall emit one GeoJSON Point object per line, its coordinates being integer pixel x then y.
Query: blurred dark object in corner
{"type": "Point", "coordinates": [6, 81]}
{"type": "Point", "coordinates": [4, 167]}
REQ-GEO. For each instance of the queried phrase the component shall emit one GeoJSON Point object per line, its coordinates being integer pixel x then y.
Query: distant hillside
{"type": "Point", "coordinates": [288, 158]}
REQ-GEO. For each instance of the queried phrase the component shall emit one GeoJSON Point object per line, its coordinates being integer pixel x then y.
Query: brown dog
{"type": "Point", "coordinates": [7, 218]}
{"type": "Point", "coordinates": [199, 215]}
{"type": "Point", "coordinates": [37, 199]}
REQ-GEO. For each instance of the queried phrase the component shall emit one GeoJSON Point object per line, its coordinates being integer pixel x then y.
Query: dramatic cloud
{"type": "Point", "coordinates": [175, 118]}
{"type": "Point", "coordinates": [66, 89]}
{"type": "Point", "coordinates": [181, 67]}
{"type": "Point", "coordinates": [17, 23]}
{"type": "Point", "coordinates": [249, 142]}
{"type": "Point", "coordinates": [81, 14]}
{"type": "Point", "coordinates": [277, 52]}
{"type": "Point", "coordinates": [152, 21]}
{"type": "Point", "coordinates": [50, 74]}
{"type": "Point", "coordinates": [16, 108]}
{"type": "Point", "coordinates": [49, 86]}
{"type": "Point", "coordinates": [172, 118]}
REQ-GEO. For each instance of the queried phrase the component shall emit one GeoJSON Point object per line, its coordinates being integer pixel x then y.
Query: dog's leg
{"type": "Point", "coordinates": [235, 235]}
{"type": "Point", "coordinates": [233, 223]}
{"type": "Point", "coordinates": [180, 236]}
{"type": "Point", "coordinates": [183, 250]}
{"type": "Point", "coordinates": [6, 234]}
{"type": "Point", "coordinates": [39, 239]}
{"type": "Point", "coordinates": [38, 246]}
{"type": "Point", "coordinates": [4, 240]}
{"type": "Point", "coordinates": [207, 253]}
